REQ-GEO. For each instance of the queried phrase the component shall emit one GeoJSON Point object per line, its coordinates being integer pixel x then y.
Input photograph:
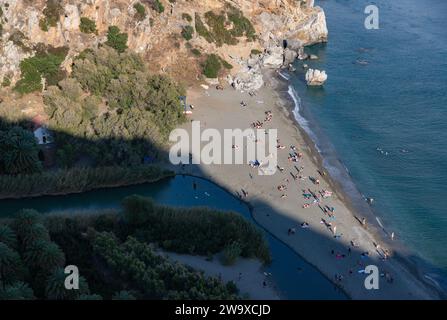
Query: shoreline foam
{"type": "Point", "coordinates": [356, 202]}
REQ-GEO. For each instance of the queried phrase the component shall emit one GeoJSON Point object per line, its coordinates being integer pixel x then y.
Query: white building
{"type": "Point", "coordinates": [43, 135]}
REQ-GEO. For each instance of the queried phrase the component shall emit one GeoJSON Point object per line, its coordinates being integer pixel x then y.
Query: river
{"type": "Point", "coordinates": [293, 277]}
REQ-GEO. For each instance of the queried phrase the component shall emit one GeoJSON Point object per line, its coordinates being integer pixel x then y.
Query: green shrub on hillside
{"type": "Point", "coordinates": [87, 25]}
{"type": "Point", "coordinates": [140, 11]}
{"type": "Point", "coordinates": [187, 17]}
{"type": "Point", "coordinates": [219, 31]}
{"type": "Point", "coordinates": [6, 81]}
{"type": "Point", "coordinates": [116, 39]}
{"type": "Point", "coordinates": [212, 66]}
{"type": "Point", "coordinates": [187, 32]}
{"type": "Point", "coordinates": [196, 52]}
{"type": "Point", "coordinates": [225, 64]}
{"type": "Point", "coordinates": [241, 25]}
{"type": "Point", "coordinates": [43, 64]}
{"type": "Point", "coordinates": [202, 30]}
{"type": "Point", "coordinates": [255, 52]}
{"type": "Point", "coordinates": [19, 39]}
{"type": "Point", "coordinates": [158, 6]}
{"type": "Point", "coordinates": [220, 34]}
{"type": "Point", "coordinates": [53, 10]}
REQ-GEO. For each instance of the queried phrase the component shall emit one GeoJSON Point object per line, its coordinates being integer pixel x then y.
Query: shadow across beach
{"type": "Point", "coordinates": [328, 271]}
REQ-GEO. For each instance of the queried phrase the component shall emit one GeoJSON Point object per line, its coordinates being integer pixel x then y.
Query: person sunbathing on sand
{"type": "Point", "coordinates": [327, 224]}
{"type": "Point", "coordinates": [354, 244]}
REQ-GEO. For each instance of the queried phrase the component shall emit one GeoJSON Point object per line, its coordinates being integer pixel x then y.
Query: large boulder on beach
{"type": "Point", "coordinates": [289, 56]}
{"type": "Point", "coordinates": [293, 44]}
{"type": "Point", "coordinates": [315, 77]}
{"type": "Point", "coordinates": [302, 55]}
{"type": "Point", "coordinates": [247, 80]}
{"type": "Point", "coordinates": [273, 57]}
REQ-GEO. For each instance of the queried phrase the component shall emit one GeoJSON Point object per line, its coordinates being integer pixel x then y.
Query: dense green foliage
{"type": "Point", "coordinates": [153, 275]}
{"type": "Point", "coordinates": [141, 110]}
{"type": "Point", "coordinates": [87, 25]}
{"type": "Point", "coordinates": [76, 180]}
{"type": "Point", "coordinates": [158, 6]}
{"type": "Point", "coordinates": [20, 40]}
{"type": "Point", "coordinates": [192, 231]}
{"type": "Point", "coordinates": [115, 253]}
{"type": "Point", "coordinates": [116, 39]}
{"type": "Point", "coordinates": [111, 112]}
{"type": "Point", "coordinates": [212, 66]}
{"type": "Point", "coordinates": [201, 29]}
{"type": "Point", "coordinates": [196, 52]}
{"type": "Point", "coordinates": [6, 81]}
{"type": "Point", "coordinates": [18, 152]}
{"type": "Point", "coordinates": [53, 10]}
{"type": "Point", "coordinates": [140, 11]}
{"type": "Point", "coordinates": [187, 32]}
{"type": "Point", "coordinates": [231, 252]}
{"type": "Point", "coordinates": [46, 63]}
{"type": "Point", "coordinates": [31, 265]}
{"type": "Point", "coordinates": [218, 32]}
{"type": "Point", "coordinates": [241, 25]}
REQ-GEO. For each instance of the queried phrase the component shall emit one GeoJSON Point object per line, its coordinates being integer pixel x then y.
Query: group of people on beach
{"type": "Point", "coordinates": [315, 197]}
{"type": "Point", "coordinates": [259, 124]}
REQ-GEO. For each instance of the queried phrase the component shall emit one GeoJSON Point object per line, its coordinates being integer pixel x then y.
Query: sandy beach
{"type": "Point", "coordinates": [247, 274]}
{"type": "Point", "coordinates": [335, 242]}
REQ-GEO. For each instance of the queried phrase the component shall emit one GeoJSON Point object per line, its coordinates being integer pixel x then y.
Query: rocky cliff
{"type": "Point", "coordinates": [157, 34]}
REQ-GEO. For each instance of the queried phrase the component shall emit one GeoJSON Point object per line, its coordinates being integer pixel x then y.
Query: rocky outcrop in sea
{"type": "Point", "coordinates": [315, 77]}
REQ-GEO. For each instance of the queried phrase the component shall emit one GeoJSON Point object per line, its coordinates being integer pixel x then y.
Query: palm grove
{"type": "Point", "coordinates": [118, 252]}
{"type": "Point", "coordinates": [109, 114]}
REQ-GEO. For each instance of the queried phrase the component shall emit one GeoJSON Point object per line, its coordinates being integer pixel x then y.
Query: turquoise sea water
{"type": "Point", "coordinates": [387, 120]}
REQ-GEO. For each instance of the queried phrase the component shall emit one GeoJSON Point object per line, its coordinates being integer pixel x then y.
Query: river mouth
{"type": "Point", "coordinates": [293, 277]}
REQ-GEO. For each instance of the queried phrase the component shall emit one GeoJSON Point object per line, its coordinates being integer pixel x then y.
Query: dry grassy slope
{"type": "Point", "coordinates": [157, 37]}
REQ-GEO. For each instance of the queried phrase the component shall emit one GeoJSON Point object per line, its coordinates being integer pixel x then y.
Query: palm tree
{"type": "Point", "coordinates": [29, 228]}
{"type": "Point", "coordinates": [24, 219]}
{"type": "Point", "coordinates": [35, 233]}
{"type": "Point", "coordinates": [123, 295]}
{"type": "Point", "coordinates": [19, 152]}
{"type": "Point", "coordinates": [11, 267]}
{"type": "Point", "coordinates": [17, 291]}
{"type": "Point", "coordinates": [44, 255]}
{"type": "Point", "coordinates": [55, 287]}
{"type": "Point", "coordinates": [7, 236]}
